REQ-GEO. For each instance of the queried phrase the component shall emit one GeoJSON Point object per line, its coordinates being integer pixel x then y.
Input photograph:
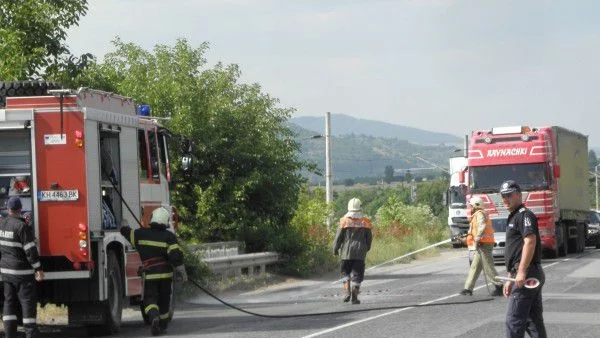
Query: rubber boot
{"type": "Point", "coordinates": [355, 291]}
{"type": "Point", "coordinates": [498, 291]}
{"type": "Point", "coordinates": [10, 329]}
{"type": "Point", "coordinates": [155, 326]}
{"type": "Point", "coordinates": [347, 291]}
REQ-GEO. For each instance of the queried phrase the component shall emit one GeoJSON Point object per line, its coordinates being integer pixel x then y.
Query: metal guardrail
{"type": "Point", "coordinates": [217, 249]}
{"type": "Point", "coordinates": [224, 258]}
{"type": "Point", "coordinates": [235, 265]}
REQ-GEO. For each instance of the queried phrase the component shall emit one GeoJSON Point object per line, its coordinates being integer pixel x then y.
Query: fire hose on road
{"type": "Point", "coordinates": [428, 304]}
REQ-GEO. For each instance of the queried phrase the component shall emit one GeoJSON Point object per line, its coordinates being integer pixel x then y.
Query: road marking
{"type": "Point", "coordinates": [335, 328]}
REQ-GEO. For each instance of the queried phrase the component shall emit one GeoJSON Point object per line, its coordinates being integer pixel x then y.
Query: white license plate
{"type": "Point", "coordinates": [498, 252]}
{"type": "Point", "coordinates": [58, 195]}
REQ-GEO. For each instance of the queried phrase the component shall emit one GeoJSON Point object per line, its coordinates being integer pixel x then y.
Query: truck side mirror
{"type": "Point", "coordinates": [186, 165]}
{"type": "Point", "coordinates": [556, 170]}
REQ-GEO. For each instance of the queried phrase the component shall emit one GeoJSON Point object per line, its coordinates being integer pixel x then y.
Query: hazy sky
{"type": "Point", "coordinates": [441, 65]}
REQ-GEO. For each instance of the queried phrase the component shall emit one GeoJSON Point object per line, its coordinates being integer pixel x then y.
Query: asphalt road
{"type": "Point", "coordinates": [571, 305]}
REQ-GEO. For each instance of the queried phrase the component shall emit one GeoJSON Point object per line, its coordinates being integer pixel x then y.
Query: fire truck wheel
{"type": "Point", "coordinates": [25, 88]}
{"type": "Point", "coordinates": [113, 305]}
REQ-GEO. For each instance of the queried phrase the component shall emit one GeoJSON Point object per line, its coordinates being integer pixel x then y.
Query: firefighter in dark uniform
{"type": "Point", "coordinates": [522, 256]}
{"type": "Point", "coordinates": [161, 257]}
{"type": "Point", "coordinates": [20, 268]}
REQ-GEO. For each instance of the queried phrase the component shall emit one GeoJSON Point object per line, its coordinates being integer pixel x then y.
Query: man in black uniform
{"type": "Point", "coordinates": [522, 258]}
{"type": "Point", "coordinates": [159, 252]}
{"type": "Point", "coordinates": [20, 268]}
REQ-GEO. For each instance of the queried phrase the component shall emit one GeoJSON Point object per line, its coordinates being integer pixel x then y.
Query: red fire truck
{"type": "Point", "coordinates": [84, 163]}
{"type": "Point", "coordinates": [550, 165]}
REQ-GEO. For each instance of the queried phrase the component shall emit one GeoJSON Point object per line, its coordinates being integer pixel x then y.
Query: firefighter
{"type": "Point", "coordinates": [354, 238]}
{"type": "Point", "coordinates": [20, 267]}
{"type": "Point", "coordinates": [481, 239]}
{"type": "Point", "coordinates": [160, 255]}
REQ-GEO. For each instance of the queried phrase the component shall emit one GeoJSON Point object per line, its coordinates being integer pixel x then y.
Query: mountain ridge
{"type": "Point", "coordinates": [342, 124]}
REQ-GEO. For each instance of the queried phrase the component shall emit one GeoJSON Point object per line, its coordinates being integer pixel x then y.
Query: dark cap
{"type": "Point", "coordinates": [509, 187]}
{"type": "Point", "coordinates": [14, 203]}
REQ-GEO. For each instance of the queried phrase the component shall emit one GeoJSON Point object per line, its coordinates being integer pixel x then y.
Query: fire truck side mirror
{"type": "Point", "coordinates": [186, 165]}
{"type": "Point", "coordinates": [556, 170]}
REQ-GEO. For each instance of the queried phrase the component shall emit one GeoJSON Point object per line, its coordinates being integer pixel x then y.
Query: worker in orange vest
{"type": "Point", "coordinates": [481, 239]}
{"type": "Point", "coordinates": [353, 238]}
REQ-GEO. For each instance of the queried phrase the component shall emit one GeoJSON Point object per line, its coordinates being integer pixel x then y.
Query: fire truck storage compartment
{"type": "Point", "coordinates": [15, 167]}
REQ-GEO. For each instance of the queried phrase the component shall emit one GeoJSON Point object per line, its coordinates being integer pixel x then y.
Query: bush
{"type": "Point", "coordinates": [305, 245]}
{"type": "Point", "coordinates": [401, 229]}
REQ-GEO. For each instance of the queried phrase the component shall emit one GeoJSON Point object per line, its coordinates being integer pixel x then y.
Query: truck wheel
{"type": "Point", "coordinates": [564, 245]}
{"type": "Point", "coordinates": [113, 305]}
{"type": "Point", "coordinates": [25, 88]}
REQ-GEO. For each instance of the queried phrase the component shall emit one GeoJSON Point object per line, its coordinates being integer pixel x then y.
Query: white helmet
{"type": "Point", "coordinates": [476, 202]}
{"type": "Point", "coordinates": [160, 215]}
{"type": "Point", "coordinates": [354, 204]}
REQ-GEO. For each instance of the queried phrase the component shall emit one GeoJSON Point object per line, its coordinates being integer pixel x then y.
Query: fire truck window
{"type": "Point", "coordinates": [153, 154]}
{"type": "Point", "coordinates": [143, 155]}
{"type": "Point", "coordinates": [110, 165]}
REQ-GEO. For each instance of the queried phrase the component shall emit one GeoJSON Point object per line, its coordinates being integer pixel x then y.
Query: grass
{"type": "Point", "coordinates": [385, 248]}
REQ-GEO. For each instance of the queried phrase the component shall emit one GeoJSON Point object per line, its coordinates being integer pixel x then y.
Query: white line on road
{"type": "Point", "coordinates": [335, 328]}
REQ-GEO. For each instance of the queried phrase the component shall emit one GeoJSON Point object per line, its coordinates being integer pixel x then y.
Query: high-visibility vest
{"type": "Point", "coordinates": [488, 233]}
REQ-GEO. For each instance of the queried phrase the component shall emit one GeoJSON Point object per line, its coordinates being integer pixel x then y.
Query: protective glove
{"type": "Point", "coordinates": [181, 274]}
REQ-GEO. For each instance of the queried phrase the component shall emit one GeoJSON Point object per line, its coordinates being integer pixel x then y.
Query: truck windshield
{"type": "Point", "coordinates": [458, 195]}
{"type": "Point", "coordinates": [499, 224]}
{"type": "Point", "coordinates": [530, 176]}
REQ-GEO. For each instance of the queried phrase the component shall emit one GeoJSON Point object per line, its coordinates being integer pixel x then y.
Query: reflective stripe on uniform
{"type": "Point", "coordinates": [36, 265]}
{"type": "Point", "coordinates": [9, 317]}
{"type": "Point", "coordinates": [152, 243]}
{"type": "Point", "coordinates": [17, 272]}
{"type": "Point", "coordinates": [173, 247]}
{"type": "Point", "coordinates": [159, 275]}
{"type": "Point", "coordinates": [164, 316]}
{"type": "Point", "coordinates": [28, 320]}
{"type": "Point", "coordinates": [13, 244]}
{"type": "Point", "coordinates": [150, 307]}
{"type": "Point", "coordinates": [132, 238]}
{"type": "Point", "coordinates": [29, 246]}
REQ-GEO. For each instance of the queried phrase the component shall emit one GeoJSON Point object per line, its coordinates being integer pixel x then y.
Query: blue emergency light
{"type": "Point", "coordinates": [143, 110]}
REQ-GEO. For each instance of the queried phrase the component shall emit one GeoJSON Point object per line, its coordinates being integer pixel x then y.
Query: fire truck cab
{"type": "Point", "coordinates": [84, 163]}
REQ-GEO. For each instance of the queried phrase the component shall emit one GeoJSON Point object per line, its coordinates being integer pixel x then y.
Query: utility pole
{"type": "Point", "coordinates": [328, 174]}
{"type": "Point", "coordinates": [596, 177]}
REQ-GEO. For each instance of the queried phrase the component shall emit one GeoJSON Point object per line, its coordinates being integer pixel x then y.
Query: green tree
{"type": "Point", "coordinates": [32, 38]}
{"type": "Point", "coordinates": [246, 178]}
{"type": "Point", "coordinates": [431, 193]}
{"type": "Point", "coordinates": [388, 174]}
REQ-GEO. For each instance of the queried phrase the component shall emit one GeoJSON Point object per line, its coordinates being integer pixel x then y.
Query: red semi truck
{"type": "Point", "coordinates": [550, 165]}
{"type": "Point", "coordinates": [83, 163]}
